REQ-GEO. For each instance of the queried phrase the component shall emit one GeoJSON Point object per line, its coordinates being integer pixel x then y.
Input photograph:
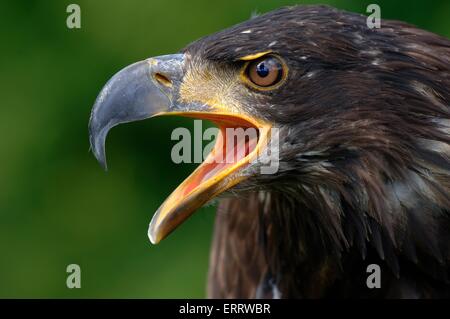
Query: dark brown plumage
{"type": "Point", "coordinates": [364, 153]}
{"type": "Point", "coordinates": [364, 174]}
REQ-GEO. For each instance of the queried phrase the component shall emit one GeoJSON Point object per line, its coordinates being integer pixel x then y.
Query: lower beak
{"type": "Point", "coordinates": [151, 87]}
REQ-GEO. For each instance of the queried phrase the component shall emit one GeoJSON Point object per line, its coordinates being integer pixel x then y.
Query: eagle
{"type": "Point", "coordinates": [361, 122]}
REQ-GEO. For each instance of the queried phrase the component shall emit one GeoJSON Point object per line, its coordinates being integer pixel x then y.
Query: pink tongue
{"type": "Point", "coordinates": [234, 154]}
{"type": "Point", "coordinates": [228, 156]}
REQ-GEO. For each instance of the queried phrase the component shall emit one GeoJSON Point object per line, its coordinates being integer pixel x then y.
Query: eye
{"type": "Point", "coordinates": [265, 72]}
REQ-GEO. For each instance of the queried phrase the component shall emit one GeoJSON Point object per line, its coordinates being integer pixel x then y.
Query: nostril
{"type": "Point", "coordinates": [164, 80]}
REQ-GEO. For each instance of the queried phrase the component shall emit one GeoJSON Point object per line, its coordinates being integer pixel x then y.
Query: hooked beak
{"type": "Point", "coordinates": [135, 93]}
{"type": "Point", "coordinates": [151, 87]}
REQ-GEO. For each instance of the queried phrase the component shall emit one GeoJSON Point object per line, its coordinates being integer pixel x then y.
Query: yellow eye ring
{"type": "Point", "coordinates": [265, 73]}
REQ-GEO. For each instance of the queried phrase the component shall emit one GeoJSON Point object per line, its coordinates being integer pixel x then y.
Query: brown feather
{"type": "Point", "coordinates": [364, 176]}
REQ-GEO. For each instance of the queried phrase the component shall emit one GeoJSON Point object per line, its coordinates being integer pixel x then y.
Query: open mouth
{"type": "Point", "coordinates": [239, 142]}
{"type": "Point", "coordinates": [236, 139]}
{"type": "Point", "coordinates": [152, 87]}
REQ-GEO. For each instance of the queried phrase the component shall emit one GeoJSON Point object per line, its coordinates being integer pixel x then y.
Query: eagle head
{"type": "Point", "coordinates": [351, 128]}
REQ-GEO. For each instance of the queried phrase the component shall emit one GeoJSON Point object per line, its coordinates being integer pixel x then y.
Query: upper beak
{"type": "Point", "coordinates": [137, 92]}
{"type": "Point", "coordinates": [149, 88]}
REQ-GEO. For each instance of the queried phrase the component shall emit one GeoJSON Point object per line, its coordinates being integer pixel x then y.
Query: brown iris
{"type": "Point", "coordinates": [265, 72]}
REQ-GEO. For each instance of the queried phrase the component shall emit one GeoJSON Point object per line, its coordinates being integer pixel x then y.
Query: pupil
{"type": "Point", "coordinates": [262, 70]}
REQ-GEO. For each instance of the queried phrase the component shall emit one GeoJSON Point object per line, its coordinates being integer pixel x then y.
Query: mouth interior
{"type": "Point", "coordinates": [237, 138]}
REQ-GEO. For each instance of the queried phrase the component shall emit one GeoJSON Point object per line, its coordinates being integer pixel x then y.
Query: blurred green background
{"type": "Point", "coordinates": [57, 206]}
